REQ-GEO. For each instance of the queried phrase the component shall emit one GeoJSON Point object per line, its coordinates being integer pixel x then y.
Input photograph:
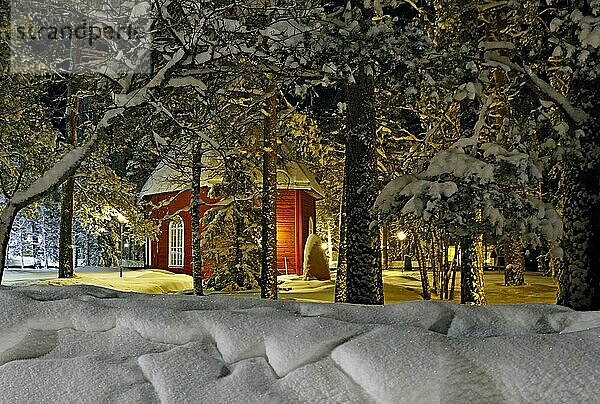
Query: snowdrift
{"type": "Point", "coordinates": [88, 344]}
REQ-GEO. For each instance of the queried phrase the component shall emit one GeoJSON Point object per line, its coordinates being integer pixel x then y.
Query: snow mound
{"type": "Point", "coordinates": [151, 281]}
{"type": "Point", "coordinates": [88, 344]}
{"type": "Point", "coordinates": [315, 265]}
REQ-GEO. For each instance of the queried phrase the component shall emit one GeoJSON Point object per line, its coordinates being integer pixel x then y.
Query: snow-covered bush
{"type": "Point", "coordinates": [483, 178]}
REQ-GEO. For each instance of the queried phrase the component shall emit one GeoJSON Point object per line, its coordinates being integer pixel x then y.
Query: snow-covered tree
{"type": "Point", "coordinates": [484, 174]}
{"type": "Point", "coordinates": [576, 25]}
{"type": "Point", "coordinates": [372, 44]}
{"type": "Point", "coordinates": [126, 92]}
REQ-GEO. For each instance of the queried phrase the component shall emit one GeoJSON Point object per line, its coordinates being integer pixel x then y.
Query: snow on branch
{"type": "Point", "coordinates": [140, 96]}
{"type": "Point", "coordinates": [482, 115]}
{"type": "Point", "coordinates": [65, 167]}
{"type": "Point", "coordinates": [69, 163]}
{"type": "Point", "coordinates": [576, 114]}
{"type": "Point", "coordinates": [473, 140]}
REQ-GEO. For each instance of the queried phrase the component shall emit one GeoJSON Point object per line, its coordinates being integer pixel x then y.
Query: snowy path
{"type": "Point", "coordinates": [86, 344]}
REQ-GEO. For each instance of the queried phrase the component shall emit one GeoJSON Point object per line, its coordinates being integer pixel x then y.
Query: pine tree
{"type": "Point", "coordinates": [195, 205]}
{"type": "Point", "coordinates": [579, 279]}
{"type": "Point", "coordinates": [364, 283]}
{"type": "Point", "coordinates": [269, 272]}
{"type": "Point", "coordinates": [341, 295]}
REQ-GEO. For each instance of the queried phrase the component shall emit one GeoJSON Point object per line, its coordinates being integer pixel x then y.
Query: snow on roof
{"type": "Point", "coordinates": [297, 176]}
{"type": "Point", "coordinates": [110, 346]}
{"type": "Point", "coordinates": [166, 178]}
{"type": "Point", "coordinates": [169, 178]}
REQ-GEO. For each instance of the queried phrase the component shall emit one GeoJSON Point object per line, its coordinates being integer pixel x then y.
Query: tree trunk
{"type": "Point", "coordinates": [454, 269]}
{"type": "Point", "coordinates": [65, 252]}
{"type": "Point", "coordinates": [471, 283]}
{"type": "Point", "coordinates": [426, 294]}
{"type": "Point", "coordinates": [268, 287]}
{"type": "Point", "coordinates": [238, 263]}
{"type": "Point", "coordinates": [364, 281]}
{"type": "Point", "coordinates": [87, 250]}
{"type": "Point", "coordinates": [65, 249]}
{"type": "Point", "coordinates": [44, 237]}
{"type": "Point", "coordinates": [340, 278]}
{"type": "Point", "coordinates": [195, 205]}
{"type": "Point", "coordinates": [35, 243]}
{"type": "Point", "coordinates": [21, 244]}
{"type": "Point", "coordinates": [579, 275]}
{"type": "Point", "coordinates": [471, 288]}
{"type": "Point", "coordinates": [514, 262]}
{"type": "Point", "coordinates": [445, 265]}
{"type": "Point", "coordinates": [7, 218]}
{"type": "Point", "coordinates": [385, 261]}
{"type": "Point", "coordinates": [435, 272]}
{"type": "Point", "coordinates": [329, 245]}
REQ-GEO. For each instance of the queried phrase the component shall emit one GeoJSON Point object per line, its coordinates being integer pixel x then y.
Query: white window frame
{"type": "Point", "coordinates": [176, 243]}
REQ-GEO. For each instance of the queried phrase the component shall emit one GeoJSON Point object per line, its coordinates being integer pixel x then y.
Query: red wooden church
{"type": "Point", "coordinates": [169, 193]}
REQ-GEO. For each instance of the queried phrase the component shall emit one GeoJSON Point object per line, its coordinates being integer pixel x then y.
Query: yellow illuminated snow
{"type": "Point", "coordinates": [143, 281]}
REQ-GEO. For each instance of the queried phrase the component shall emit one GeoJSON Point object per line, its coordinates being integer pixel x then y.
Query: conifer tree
{"type": "Point", "coordinates": [577, 26]}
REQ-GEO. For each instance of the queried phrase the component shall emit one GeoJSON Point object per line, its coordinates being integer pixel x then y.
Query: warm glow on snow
{"type": "Point", "coordinates": [141, 281]}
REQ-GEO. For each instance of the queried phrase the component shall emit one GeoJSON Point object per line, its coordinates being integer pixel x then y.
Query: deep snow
{"type": "Point", "coordinates": [87, 344]}
{"type": "Point", "coordinates": [399, 286]}
{"type": "Point", "coordinates": [154, 281]}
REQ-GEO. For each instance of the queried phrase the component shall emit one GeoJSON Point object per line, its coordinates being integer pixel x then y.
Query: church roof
{"type": "Point", "coordinates": [168, 177]}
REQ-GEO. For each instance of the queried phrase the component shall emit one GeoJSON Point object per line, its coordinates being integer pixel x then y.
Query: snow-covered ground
{"type": "Point", "coordinates": [154, 281]}
{"type": "Point", "coordinates": [398, 286]}
{"type": "Point", "coordinates": [405, 286]}
{"type": "Point", "coordinates": [17, 276]}
{"type": "Point", "coordinates": [87, 344]}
